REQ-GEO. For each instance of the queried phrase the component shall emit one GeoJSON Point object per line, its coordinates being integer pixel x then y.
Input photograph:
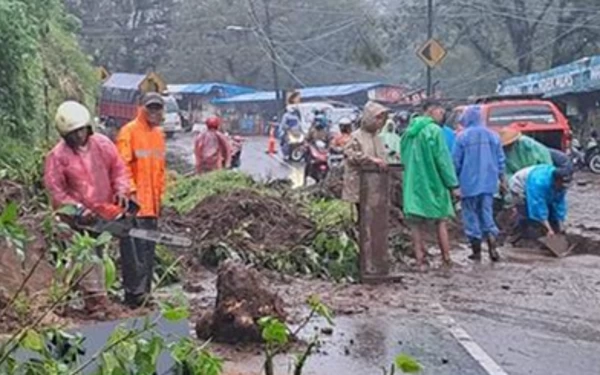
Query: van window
{"type": "Point", "coordinates": [506, 115]}
{"type": "Point", "coordinates": [171, 105]}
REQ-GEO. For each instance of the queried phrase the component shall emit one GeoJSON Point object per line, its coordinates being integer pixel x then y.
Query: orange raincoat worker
{"type": "Point", "coordinates": [141, 144]}
{"type": "Point", "coordinates": [84, 170]}
{"type": "Point", "coordinates": [212, 148]}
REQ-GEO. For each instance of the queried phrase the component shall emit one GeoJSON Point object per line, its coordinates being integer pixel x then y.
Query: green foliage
{"type": "Point", "coordinates": [11, 231]}
{"type": "Point", "coordinates": [407, 364]}
{"type": "Point", "coordinates": [274, 332]}
{"type": "Point", "coordinates": [404, 363]}
{"type": "Point", "coordinates": [185, 193]}
{"type": "Point", "coordinates": [330, 213]}
{"type": "Point", "coordinates": [193, 359]}
{"type": "Point", "coordinates": [175, 308]}
{"type": "Point", "coordinates": [41, 66]}
{"type": "Point", "coordinates": [277, 335]}
{"type": "Point", "coordinates": [165, 269]}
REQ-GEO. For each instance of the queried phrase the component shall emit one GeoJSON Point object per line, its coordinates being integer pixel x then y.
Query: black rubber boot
{"type": "Point", "coordinates": [476, 247]}
{"type": "Point", "coordinates": [494, 256]}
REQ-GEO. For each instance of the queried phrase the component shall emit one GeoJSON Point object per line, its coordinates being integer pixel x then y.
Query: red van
{"type": "Point", "coordinates": [537, 118]}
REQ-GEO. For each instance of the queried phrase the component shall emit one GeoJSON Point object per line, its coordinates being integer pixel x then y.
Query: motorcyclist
{"type": "Point", "coordinates": [85, 170]}
{"type": "Point", "coordinates": [319, 131]}
{"type": "Point", "coordinates": [290, 121]}
{"type": "Point", "coordinates": [340, 140]}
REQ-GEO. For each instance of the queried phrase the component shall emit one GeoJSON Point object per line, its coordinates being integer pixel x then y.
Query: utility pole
{"type": "Point", "coordinates": [278, 95]}
{"type": "Point", "coordinates": [429, 36]}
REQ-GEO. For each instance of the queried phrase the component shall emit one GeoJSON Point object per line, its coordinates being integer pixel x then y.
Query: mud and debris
{"type": "Point", "coordinates": [242, 299]}
{"type": "Point", "coordinates": [246, 220]}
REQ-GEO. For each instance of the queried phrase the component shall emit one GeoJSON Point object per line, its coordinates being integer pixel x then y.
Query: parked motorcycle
{"type": "Point", "coordinates": [316, 161]}
{"type": "Point", "coordinates": [588, 158]}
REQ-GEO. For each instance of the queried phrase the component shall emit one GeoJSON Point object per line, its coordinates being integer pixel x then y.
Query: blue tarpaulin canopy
{"type": "Point", "coordinates": [306, 93]}
{"type": "Point", "coordinates": [577, 77]}
{"type": "Point", "coordinates": [207, 88]}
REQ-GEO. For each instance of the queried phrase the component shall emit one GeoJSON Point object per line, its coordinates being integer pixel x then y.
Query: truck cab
{"type": "Point", "coordinates": [540, 119]}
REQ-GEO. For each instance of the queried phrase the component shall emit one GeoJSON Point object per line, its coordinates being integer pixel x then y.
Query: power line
{"type": "Point", "coordinates": [489, 10]}
{"type": "Point", "coordinates": [535, 50]}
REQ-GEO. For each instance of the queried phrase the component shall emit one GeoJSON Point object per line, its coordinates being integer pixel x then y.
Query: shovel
{"type": "Point", "coordinates": [557, 244]}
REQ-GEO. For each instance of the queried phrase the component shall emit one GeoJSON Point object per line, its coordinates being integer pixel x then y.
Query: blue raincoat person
{"type": "Point", "coordinates": [480, 163]}
{"type": "Point", "coordinates": [449, 137]}
{"type": "Point", "coordinates": [545, 196]}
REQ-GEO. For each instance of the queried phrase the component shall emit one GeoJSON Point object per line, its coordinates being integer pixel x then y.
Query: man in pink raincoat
{"type": "Point", "coordinates": [84, 169]}
{"type": "Point", "coordinates": [212, 148]}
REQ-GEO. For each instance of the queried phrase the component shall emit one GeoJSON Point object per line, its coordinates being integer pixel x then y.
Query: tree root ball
{"type": "Point", "coordinates": [242, 299]}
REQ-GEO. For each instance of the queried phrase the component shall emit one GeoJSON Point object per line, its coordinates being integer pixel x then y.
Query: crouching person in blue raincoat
{"type": "Point", "coordinates": [540, 195]}
{"type": "Point", "coordinates": [480, 163]}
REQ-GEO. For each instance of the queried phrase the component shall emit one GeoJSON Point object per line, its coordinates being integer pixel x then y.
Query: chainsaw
{"type": "Point", "coordinates": [120, 222]}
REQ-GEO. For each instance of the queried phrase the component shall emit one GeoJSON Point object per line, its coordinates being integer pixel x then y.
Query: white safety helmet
{"type": "Point", "coordinates": [345, 121]}
{"type": "Point", "coordinates": [72, 116]}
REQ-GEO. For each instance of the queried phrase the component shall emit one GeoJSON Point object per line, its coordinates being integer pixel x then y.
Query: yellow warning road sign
{"type": "Point", "coordinates": [432, 53]}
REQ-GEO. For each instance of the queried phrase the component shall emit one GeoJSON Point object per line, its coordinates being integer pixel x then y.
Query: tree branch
{"type": "Point", "coordinates": [487, 56]}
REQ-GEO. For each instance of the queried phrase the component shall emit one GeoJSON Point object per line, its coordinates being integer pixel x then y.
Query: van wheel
{"type": "Point", "coordinates": [594, 163]}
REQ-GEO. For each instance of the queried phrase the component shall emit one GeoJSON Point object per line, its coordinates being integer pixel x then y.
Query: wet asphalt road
{"type": "Point", "coordinates": [255, 160]}
{"type": "Point", "coordinates": [529, 315]}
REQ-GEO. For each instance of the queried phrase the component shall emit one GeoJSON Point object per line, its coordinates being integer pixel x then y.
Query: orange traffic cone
{"type": "Point", "coordinates": [271, 147]}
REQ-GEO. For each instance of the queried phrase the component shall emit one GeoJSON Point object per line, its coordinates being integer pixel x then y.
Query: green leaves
{"type": "Point", "coordinates": [407, 364]}
{"type": "Point", "coordinates": [194, 359]}
{"type": "Point", "coordinates": [110, 272]}
{"type": "Point", "coordinates": [13, 233]}
{"type": "Point", "coordinates": [315, 304]}
{"type": "Point", "coordinates": [175, 309]}
{"type": "Point", "coordinates": [274, 332]}
{"type": "Point", "coordinates": [32, 341]}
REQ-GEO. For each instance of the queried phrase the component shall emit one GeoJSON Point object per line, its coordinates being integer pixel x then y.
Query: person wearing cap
{"type": "Point", "coordinates": [212, 148]}
{"type": "Point", "coordinates": [141, 144]}
{"type": "Point", "coordinates": [429, 180]}
{"type": "Point", "coordinates": [540, 196]}
{"type": "Point", "coordinates": [84, 169]}
{"type": "Point", "coordinates": [522, 151]}
{"type": "Point", "coordinates": [345, 134]}
{"type": "Point", "coordinates": [479, 162]}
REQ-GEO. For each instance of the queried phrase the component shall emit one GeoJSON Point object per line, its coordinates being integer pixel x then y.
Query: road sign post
{"type": "Point", "coordinates": [431, 53]}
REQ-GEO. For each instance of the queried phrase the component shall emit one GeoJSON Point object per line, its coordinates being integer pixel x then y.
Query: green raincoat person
{"type": "Point", "coordinates": [391, 141]}
{"type": "Point", "coordinates": [522, 151]}
{"type": "Point", "coordinates": [428, 180]}
{"type": "Point", "coordinates": [429, 174]}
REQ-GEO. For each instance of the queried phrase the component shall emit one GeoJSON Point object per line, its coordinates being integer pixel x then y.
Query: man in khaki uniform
{"type": "Point", "coordinates": [365, 147]}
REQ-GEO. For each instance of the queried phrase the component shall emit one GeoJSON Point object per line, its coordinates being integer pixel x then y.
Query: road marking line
{"type": "Point", "coordinates": [467, 342]}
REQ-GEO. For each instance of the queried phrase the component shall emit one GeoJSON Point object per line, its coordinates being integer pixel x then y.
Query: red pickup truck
{"type": "Point", "coordinates": [537, 118]}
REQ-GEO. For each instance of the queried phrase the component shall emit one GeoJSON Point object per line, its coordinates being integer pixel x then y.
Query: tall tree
{"type": "Point", "coordinates": [125, 35]}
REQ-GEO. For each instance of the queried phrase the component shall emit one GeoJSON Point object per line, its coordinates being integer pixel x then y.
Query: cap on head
{"type": "Point", "coordinates": [71, 116]}
{"type": "Point", "coordinates": [509, 136]}
{"type": "Point", "coordinates": [152, 98]}
{"type": "Point", "coordinates": [213, 122]}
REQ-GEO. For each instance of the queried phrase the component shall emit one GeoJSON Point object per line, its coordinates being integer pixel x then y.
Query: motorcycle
{"type": "Point", "coordinates": [294, 147]}
{"type": "Point", "coordinates": [316, 162]}
{"type": "Point", "coordinates": [335, 157]}
{"type": "Point", "coordinates": [588, 158]}
{"type": "Point", "coordinates": [237, 143]}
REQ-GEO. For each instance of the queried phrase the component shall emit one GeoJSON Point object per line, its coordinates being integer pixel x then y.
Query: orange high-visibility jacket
{"type": "Point", "coordinates": [142, 148]}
